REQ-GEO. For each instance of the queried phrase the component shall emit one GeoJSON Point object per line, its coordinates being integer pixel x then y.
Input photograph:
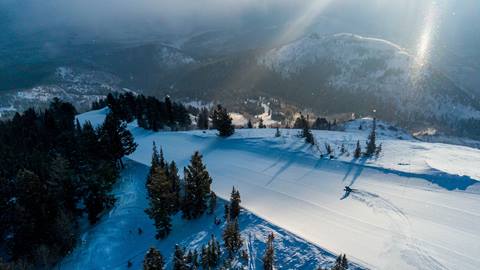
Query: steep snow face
{"type": "Point", "coordinates": [413, 207]}
{"type": "Point", "coordinates": [374, 66]}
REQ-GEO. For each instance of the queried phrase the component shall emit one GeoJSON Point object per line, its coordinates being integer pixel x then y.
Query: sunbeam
{"type": "Point", "coordinates": [306, 18]}
{"type": "Point", "coordinates": [431, 22]}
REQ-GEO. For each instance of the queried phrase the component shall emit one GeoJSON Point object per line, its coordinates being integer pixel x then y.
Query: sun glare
{"type": "Point", "coordinates": [430, 26]}
{"type": "Point", "coordinates": [307, 17]}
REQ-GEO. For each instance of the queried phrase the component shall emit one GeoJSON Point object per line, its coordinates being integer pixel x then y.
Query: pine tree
{"type": "Point", "coordinates": [210, 256]}
{"type": "Point", "coordinates": [116, 138]}
{"type": "Point", "coordinates": [232, 238]}
{"type": "Point", "coordinates": [306, 132]}
{"type": "Point", "coordinates": [260, 124]}
{"type": "Point", "coordinates": [249, 124]}
{"type": "Point", "coordinates": [155, 158]}
{"type": "Point", "coordinates": [358, 151]}
{"type": "Point", "coordinates": [202, 121]}
{"type": "Point", "coordinates": [328, 148]}
{"type": "Point", "coordinates": [341, 263]}
{"type": "Point", "coordinates": [197, 188]}
{"type": "Point", "coordinates": [195, 264]}
{"type": "Point", "coordinates": [160, 199]}
{"type": "Point", "coordinates": [268, 257]}
{"type": "Point", "coordinates": [179, 262]}
{"type": "Point", "coordinates": [169, 111]}
{"type": "Point", "coordinates": [204, 257]}
{"type": "Point", "coordinates": [234, 204]}
{"type": "Point", "coordinates": [153, 260]}
{"type": "Point", "coordinates": [189, 259]}
{"type": "Point", "coordinates": [222, 122]}
{"type": "Point", "coordinates": [212, 203]}
{"type": "Point", "coordinates": [371, 144]}
{"type": "Point", "coordinates": [226, 214]}
{"type": "Point", "coordinates": [342, 149]}
{"type": "Point", "coordinates": [277, 133]}
{"type": "Point", "coordinates": [174, 180]}
{"type": "Point", "coordinates": [378, 150]}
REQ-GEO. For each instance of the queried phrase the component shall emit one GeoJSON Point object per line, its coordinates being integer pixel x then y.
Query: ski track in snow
{"type": "Point", "coordinates": [398, 217]}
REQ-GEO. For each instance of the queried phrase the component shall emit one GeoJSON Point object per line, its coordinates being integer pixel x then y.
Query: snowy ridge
{"type": "Point", "coordinates": [292, 58]}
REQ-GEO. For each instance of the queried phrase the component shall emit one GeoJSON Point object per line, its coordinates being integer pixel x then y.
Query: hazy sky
{"type": "Point", "coordinates": [448, 28]}
{"type": "Point", "coordinates": [389, 17]}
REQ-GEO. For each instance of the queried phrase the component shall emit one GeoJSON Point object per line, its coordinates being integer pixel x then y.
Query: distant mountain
{"type": "Point", "coordinates": [376, 72]}
{"type": "Point", "coordinates": [341, 73]}
{"type": "Point", "coordinates": [79, 86]}
{"type": "Point", "coordinates": [327, 75]}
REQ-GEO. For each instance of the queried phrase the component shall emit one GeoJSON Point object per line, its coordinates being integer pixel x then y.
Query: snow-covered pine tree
{"type": "Point", "coordinates": [269, 256]}
{"type": "Point", "coordinates": [358, 151]}
{"type": "Point", "coordinates": [371, 144]}
{"type": "Point", "coordinates": [153, 260]}
{"type": "Point", "coordinates": [197, 188]}
{"type": "Point", "coordinates": [234, 204]}
{"type": "Point", "coordinates": [222, 121]}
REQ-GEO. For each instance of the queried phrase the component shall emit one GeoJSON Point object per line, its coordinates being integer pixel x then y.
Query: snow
{"type": "Point", "coordinates": [266, 116]}
{"type": "Point", "coordinates": [115, 240]}
{"type": "Point", "coordinates": [413, 207]}
{"type": "Point", "coordinates": [238, 119]}
{"type": "Point", "coordinates": [95, 117]}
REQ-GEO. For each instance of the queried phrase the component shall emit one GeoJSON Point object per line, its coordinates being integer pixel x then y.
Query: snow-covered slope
{"type": "Point", "coordinates": [373, 67]}
{"type": "Point", "coordinates": [115, 240]}
{"type": "Point", "coordinates": [415, 207]}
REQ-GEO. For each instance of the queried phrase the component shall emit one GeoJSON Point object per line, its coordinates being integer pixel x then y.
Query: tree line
{"type": "Point", "coordinates": [54, 171]}
{"type": "Point", "coordinates": [153, 114]}
{"type": "Point", "coordinates": [149, 112]}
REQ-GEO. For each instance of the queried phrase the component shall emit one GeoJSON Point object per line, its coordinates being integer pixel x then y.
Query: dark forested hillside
{"type": "Point", "coordinates": [53, 173]}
